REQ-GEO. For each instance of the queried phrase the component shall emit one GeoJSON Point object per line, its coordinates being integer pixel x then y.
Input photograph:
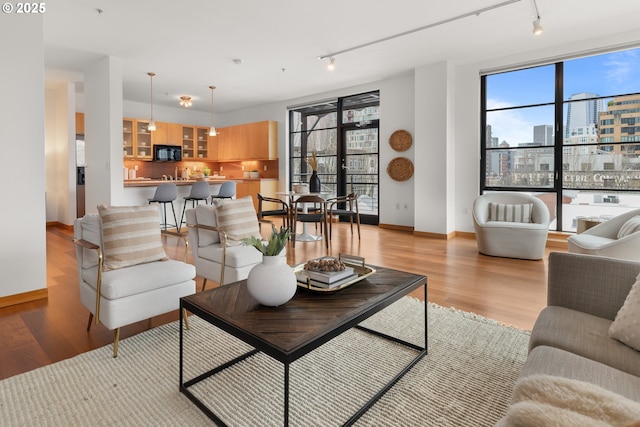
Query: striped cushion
{"type": "Point", "coordinates": [237, 217]}
{"type": "Point", "coordinates": [510, 212]}
{"type": "Point", "coordinates": [631, 226]}
{"type": "Point", "coordinates": [206, 215]}
{"type": "Point", "coordinates": [130, 236]}
{"type": "Point", "coordinates": [625, 326]}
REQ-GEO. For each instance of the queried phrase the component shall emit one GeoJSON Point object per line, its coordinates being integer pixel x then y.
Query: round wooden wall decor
{"type": "Point", "coordinates": [400, 140]}
{"type": "Point", "coordinates": [400, 169]}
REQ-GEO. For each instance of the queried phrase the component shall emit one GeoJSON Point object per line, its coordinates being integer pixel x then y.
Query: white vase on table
{"type": "Point", "coordinates": [272, 282]}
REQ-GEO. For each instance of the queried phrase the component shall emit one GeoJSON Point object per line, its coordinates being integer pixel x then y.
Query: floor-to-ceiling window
{"type": "Point", "coordinates": [568, 132]}
{"type": "Point", "coordinates": [343, 133]}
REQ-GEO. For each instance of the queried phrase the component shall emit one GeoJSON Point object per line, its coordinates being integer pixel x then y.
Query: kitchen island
{"type": "Point", "coordinates": [139, 191]}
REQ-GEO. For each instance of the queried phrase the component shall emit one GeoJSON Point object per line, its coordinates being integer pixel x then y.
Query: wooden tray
{"type": "Point", "coordinates": [359, 267]}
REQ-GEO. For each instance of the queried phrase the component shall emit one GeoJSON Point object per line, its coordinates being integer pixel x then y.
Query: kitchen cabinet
{"type": "Point", "coordinates": [138, 141]}
{"type": "Point", "coordinates": [127, 138]}
{"type": "Point", "coordinates": [251, 141]}
{"type": "Point", "coordinates": [188, 144]}
{"type": "Point", "coordinates": [202, 140]}
{"type": "Point", "coordinates": [79, 123]}
{"type": "Point", "coordinates": [267, 187]}
{"type": "Point", "coordinates": [142, 145]}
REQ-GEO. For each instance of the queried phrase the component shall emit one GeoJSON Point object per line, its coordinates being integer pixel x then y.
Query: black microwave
{"type": "Point", "coordinates": [167, 153]}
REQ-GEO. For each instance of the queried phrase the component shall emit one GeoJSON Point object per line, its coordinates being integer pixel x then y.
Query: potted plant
{"type": "Point", "coordinates": [271, 282]}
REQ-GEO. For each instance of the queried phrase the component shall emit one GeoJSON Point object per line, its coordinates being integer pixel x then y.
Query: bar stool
{"type": "Point", "coordinates": [227, 191]}
{"type": "Point", "coordinates": [166, 193]}
{"type": "Point", "coordinates": [199, 191]}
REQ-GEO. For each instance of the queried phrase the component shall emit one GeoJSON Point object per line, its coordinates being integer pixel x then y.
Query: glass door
{"type": "Point", "coordinates": [358, 171]}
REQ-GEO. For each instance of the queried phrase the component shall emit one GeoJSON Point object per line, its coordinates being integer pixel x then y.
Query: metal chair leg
{"type": "Point", "coordinates": [90, 320]}
{"type": "Point", "coordinates": [116, 339]}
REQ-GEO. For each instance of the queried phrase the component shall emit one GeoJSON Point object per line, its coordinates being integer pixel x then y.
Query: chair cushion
{"type": "Point", "coordinates": [585, 335]}
{"type": "Point", "coordinates": [626, 326]}
{"type": "Point", "coordinates": [589, 241]}
{"type": "Point", "coordinates": [130, 236]}
{"type": "Point", "coordinates": [237, 256]}
{"type": "Point", "coordinates": [206, 215]}
{"type": "Point", "coordinates": [629, 227]}
{"type": "Point", "coordinates": [238, 218]}
{"type": "Point", "coordinates": [128, 281]}
{"type": "Point", "coordinates": [509, 212]}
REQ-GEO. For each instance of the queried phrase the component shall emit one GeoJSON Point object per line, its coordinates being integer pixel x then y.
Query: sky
{"type": "Point", "coordinates": [608, 74]}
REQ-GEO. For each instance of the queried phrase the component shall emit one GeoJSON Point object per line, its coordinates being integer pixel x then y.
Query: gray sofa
{"type": "Point", "coordinates": [570, 338]}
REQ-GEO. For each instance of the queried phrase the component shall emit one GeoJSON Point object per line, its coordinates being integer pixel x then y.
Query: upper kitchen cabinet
{"type": "Point", "coordinates": [251, 141]}
{"type": "Point", "coordinates": [188, 142]}
{"type": "Point", "coordinates": [143, 143]}
{"type": "Point", "coordinates": [202, 143]}
{"type": "Point", "coordinates": [127, 138]}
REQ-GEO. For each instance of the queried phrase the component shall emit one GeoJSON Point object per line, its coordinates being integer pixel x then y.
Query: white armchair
{"type": "Point", "coordinates": [508, 235]}
{"type": "Point", "coordinates": [214, 234]}
{"type": "Point", "coordinates": [123, 271]}
{"type": "Point", "coordinates": [605, 240]}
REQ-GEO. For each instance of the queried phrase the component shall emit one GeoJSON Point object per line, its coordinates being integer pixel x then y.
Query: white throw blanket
{"type": "Point", "coordinates": [545, 400]}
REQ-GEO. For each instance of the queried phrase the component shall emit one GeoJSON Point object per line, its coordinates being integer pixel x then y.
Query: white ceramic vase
{"type": "Point", "coordinates": [272, 282]}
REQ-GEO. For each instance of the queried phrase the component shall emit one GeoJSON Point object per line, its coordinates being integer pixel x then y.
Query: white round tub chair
{"type": "Point", "coordinates": [511, 225]}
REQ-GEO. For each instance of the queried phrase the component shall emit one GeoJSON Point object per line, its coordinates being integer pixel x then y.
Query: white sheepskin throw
{"type": "Point", "coordinates": [545, 400]}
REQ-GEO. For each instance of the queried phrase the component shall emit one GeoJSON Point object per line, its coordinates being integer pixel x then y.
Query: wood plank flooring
{"type": "Point", "coordinates": [511, 291]}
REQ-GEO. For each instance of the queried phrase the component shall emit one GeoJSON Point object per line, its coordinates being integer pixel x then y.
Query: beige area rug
{"type": "Point", "coordinates": [465, 380]}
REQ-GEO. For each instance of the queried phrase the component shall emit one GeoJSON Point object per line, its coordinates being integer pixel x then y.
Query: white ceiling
{"type": "Point", "coordinates": [191, 45]}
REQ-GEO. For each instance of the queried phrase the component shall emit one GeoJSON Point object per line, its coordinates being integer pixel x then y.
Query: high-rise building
{"type": "Point", "coordinates": [581, 115]}
{"type": "Point", "coordinates": [543, 135]}
{"type": "Point", "coordinates": [621, 123]}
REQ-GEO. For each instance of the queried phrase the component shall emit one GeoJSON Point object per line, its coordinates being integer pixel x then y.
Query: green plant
{"type": "Point", "coordinates": [276, 243]}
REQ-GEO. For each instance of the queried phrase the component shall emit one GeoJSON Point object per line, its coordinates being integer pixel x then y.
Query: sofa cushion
{"type": "Point", "coordinates": [126, 281]}
{"type": "Point", "coordinates": [206, 215]}
{"type": "Point", "coordinates": [554, 361]}
{"type": "Point", "coordinates": [238, 218]}
{"type": "Point", "coordinates": [236, 256]}
{"type": "Point", "coordinates": [510, 212]}
{"type": "Point", "coordinates": [585, 335]}
{"type": "Point", "coordinates": [626, 326]}
{"type": "Point", "coordinates": [130, 236]}
{"type": "Point", "coordinates": [629, 227]}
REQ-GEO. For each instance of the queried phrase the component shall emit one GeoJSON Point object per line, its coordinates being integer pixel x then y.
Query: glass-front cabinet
{"type": "Point", "coordinates": [143, 149]}
{"type": "Point", "coordinates": [127, 138]}
{"type": "Point", "coordinates": [188, 143]}
{"type": "Point", "coordinates": [202, 143]}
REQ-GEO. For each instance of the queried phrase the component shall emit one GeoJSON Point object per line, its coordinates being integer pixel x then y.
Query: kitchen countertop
{"type": "Point", "coordinates": [148, 182]}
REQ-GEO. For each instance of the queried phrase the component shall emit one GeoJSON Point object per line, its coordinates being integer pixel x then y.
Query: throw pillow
{"type": "Point", "coordinates": [238, 218]}
{"type": "Point", "coordinates": [206, 215]}
{"type": "Point", "coordinates": [130, 236]}
{"type": "Point", "coordinates": [631, 226]}
{"type": "Point", "coordinates": [626, 326]}
{"type": "Point", "coordinates": [510, 212]}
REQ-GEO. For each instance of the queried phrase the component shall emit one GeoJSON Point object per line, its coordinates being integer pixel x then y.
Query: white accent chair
{"type": "Point", "coordinates": [511, 239]}
{"type": "Point", "coordinates": [215, 256]}
{"type": "Point", "coordinates": [126, 295]}
{"type": "Point", "coordinates": [603, 239]}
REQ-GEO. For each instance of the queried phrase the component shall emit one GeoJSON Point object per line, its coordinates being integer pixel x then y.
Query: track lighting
{"type": "Point", "coordinates": [332, 64]}
{"type": "Point", "coordinates": [537, 26]}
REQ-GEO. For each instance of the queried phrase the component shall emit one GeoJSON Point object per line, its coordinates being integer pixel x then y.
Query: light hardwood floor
{"type": "Point", "coordinates": [511, 291]}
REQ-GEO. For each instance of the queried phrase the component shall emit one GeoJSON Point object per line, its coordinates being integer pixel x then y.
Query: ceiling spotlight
{"type": "Point", "coordinates": [185, 101]}
{"type": "Point", "coordinates": [332, 64]}
{"type": "Point", "coordinates": [537, 26]}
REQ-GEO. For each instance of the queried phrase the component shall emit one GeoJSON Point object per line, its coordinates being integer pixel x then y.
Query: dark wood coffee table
{"type": "Point", "coordinates": [309, 320]}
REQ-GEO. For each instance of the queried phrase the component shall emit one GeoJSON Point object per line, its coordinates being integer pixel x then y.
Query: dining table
{"type": "Point", "coordinates": [291, 196]}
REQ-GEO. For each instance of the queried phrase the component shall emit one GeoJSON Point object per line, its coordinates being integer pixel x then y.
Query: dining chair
{"type": "Point", "coordinates": [342, 206]}
{"type": "Point", "coordinates": [281, 211]}
{"type": "Point", "coordinates": [317, 216]}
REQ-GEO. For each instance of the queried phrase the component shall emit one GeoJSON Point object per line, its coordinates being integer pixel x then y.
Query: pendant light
{"type": "Point", "coordinates": [152, 124]}
{"type": "Point", "coordinates": [212, 130]}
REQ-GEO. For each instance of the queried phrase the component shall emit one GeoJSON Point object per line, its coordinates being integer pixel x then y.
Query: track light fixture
{"type": "Point", "coordinates": [332, 64]}
{"type": "Point", "coordinates": [152, 124]}
{"type": "Point", "coordinates": [537, 26]}
{"type": "Point", "coordinates": [331, 56]}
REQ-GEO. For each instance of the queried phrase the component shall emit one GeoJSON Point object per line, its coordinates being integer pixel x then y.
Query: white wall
{"type": "Point", "coordinates": [23, 243]}
{"type": "Point", "coordinates": [60, 153]}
